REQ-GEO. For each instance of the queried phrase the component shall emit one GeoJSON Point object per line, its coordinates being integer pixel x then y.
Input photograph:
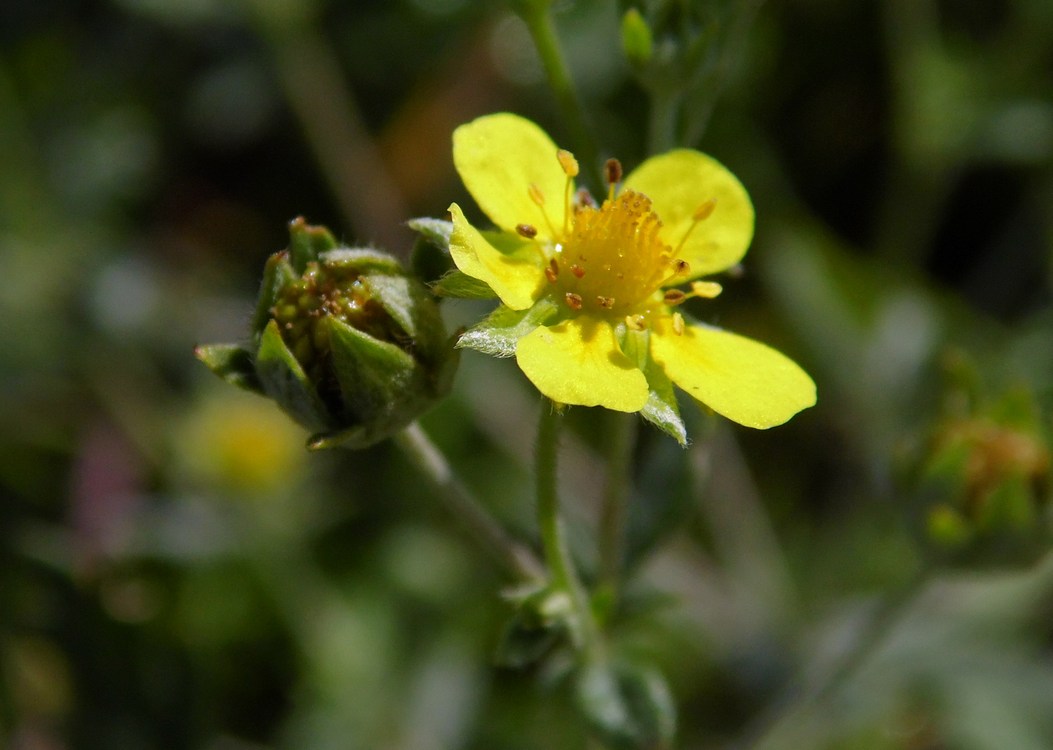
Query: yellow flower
{"type": "Point", "coordinates": [589, 291]}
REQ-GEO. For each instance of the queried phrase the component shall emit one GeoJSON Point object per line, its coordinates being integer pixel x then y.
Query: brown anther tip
{"type": "Point", "coordinates": [681, 267]}
{"type": "Point", "coordinates": [574, 301]}
{"type": "Point", "coordinates": [705, 210]}
{"type": "Point", "coordinates": [552, 271]}
{"type": "Point", "coordinates": [605, 302]}
{"type": "Point", "coordinates": [526, 230]}
{"type": "Point", "coordinates": [613, 171]}
{"type": "Point", "coordinates": [636, 322]}
{"type": "Point", "coordinates": [584, 198]}
{"type": "Point", "coordinates": [674, 297]}
{"type": "Point", "coordinates": [567, 162]}
{"type": "Point", "coordinates": [577, 270]}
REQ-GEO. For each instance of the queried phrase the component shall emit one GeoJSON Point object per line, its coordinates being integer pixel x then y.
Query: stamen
{"type": "Point", "coordinates": [552, 271]}
{"type": "Point", "coordinates": [584, 198]}
{"type": "Point", "coordinates": [574, 301]}
{"type": "Point", "coordinates": [706, 289]}
{"type": "Point", "coordinates": [577, 270]}
{"type": "Point", "coordinates": [674, 297]}
{"type": "Point", "coordinates": [605, 302]}
{"type": "Point", "coordinates": [526, 230]}
{"type": "Point", "coordinates": [703, 212]}
{"type": "Point", "coordinates": [681, 267]}
{"type": "Point", "coordinates": [636, 322]}
{"type": "Point", "coordinates": [570, 168]}
{"type": "Point", "coordinates": [613, 172]}
{"type": "Point", "coordinates": [678, 324]}
{"type": "Point", "coordinates": [568, 162]}
{"type": "Point", "coordinates": [539, 200]}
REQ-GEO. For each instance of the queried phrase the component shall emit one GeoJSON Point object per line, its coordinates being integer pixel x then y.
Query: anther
{"type": "Point", "coordinates": [552, 271]}
{"type": "Point", "coordinates": [605, 302]}
{"type": "Point", "coordinates": [536, 195]}
{"type": "Point", "coordinates": [577, 270]}
{"type": "Point", "coordinates": [574, 301]}
{"type": "Point", "coordinates": [678, 324]}
{"type": "Point", "coordinates": [636, 322]}
{"type": "Point", "coordinates": [612, 170]}
{"type": "Point", "coordinates": [584, 198]}
{"type": "Point", "coordinates": [706, 289]}
{"type": "Point", "coordinates": [526, 230]}
{"type": "Point", "coordinates": [681, 267]}
{"type": "Point", "coordinates": [568, 162]}
{"type": "Point", "coordinates": [674, 297]}
{"type": "Point", "coordinates": [705, 210]}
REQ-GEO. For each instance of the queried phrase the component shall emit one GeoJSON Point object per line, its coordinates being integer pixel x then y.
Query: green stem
{"type": "Point", "coordinates": [518, 561]}
{"type": "Point", "coordinates": [621, 440]}
{"type": "Point", "coordinates": [553, 535]}
{"type": "Point", "coordinates": [543, 32]}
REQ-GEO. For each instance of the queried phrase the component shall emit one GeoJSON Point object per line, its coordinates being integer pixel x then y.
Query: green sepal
{"type": "Point", "coordinates": [498, 333]}
{"type": "Point", "coordinates": [363, 259]}
{"type": "Point", "coordinates": [436, 231]}
{"type": "Point", "coordinates": [284, 380]}
{"type": "Point", "coordinates": [661, 408]}
{"type": "Point", "coordinates": [628, 706]}
{"type": "Point", "coordinates": [231, 362]}
{"type": "Point", "coordinates": [277, 273]}
{"type": "Point", "coordinates": [307, 242]}
{"type": "Point", "coordinates": [462, 286]}
{"type": "Point", "coordinates": [375, 378]}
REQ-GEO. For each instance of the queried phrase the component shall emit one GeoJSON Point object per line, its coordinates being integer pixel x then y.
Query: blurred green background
{"type": "Point", "coordinates": [177, 572]}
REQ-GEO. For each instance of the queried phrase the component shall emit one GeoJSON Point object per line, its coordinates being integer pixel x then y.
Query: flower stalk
{"type": "Point", "coordinates": [516, 560]}
{"type": "Point", "coordinates": [564, 576]}
{"type": "Point", "coordinates": [538, 18]}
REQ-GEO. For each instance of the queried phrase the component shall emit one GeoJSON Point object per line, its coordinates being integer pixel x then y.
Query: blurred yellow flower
{"type": "Point", "coordinates": [239, 443]}
{"type": "Point", "coordinates": [598, 284]}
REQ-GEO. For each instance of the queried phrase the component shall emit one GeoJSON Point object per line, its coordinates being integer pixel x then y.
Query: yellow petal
{"type": "Point", "coordinates": [681, 182]}
{"type": "Point", "coordinates": [578, 362]}
{"type": "Point", "coordinates": [743, 379]}
{"type": "Point", "coordinates": [499, 157]}
{"type": "Point", "coordinates": [515, 277]}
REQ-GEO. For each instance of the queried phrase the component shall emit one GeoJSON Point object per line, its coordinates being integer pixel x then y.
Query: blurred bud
{"type": "Point", "coordinates": [347, 342]}
{"type": "Point", "coordinates": [637, 40]}
{"type": "Point", "coordinates": [627, 705]}
{"type": "Point", "coordinates": [985, 483]}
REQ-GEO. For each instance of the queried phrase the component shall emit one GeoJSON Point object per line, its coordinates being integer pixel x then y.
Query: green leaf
{"type": "Point", "coordinates": [525, 640]}
{"type": "Point", "coordinates": [498, 333]}
{"type": "Point", "coordinates": [461, 285]}
{"type": "Point", "coordinates": [231, 362]}
{"type": "Point", "coordinates": [307, 242]}
{"type": "Point", "coordinates": [630, 707]}
{"type": "Point", "coordinates": [661, 408]}
{"type": "Point", "coordinates": [284, 380]}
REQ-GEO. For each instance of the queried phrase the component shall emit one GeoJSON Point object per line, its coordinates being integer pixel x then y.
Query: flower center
{"type": "Point", "coordinates": [609, 258]}
{"type": "Point", "coordinates": [612, 257]}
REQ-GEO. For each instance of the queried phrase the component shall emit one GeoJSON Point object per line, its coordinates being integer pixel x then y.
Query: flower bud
{"type": "Point", "coordinates": [985, 485]}
{"type": "Point", "coordinates": [346, 341]}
